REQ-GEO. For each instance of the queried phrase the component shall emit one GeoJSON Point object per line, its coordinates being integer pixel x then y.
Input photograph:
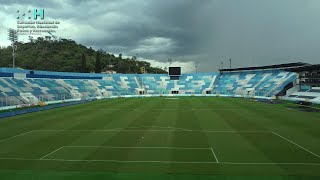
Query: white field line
{"type": "Point", "coordinates": [214, 154]}
{"type": "Point", "coordinates": [152, 130]}
{"type": "Point", "coordinates": [117, 161]}
{"type": "Point", "coordinates": [119, 147]}
{"type": "Point", "coordinates": [261, 163]}
{"type": "Point", "coordinates": [208, 131]}
{"type": "Point", "coordinates": [136, 147]}
{"type": "Point", "coordinates": [52, 152]}
{"type": "Point", "coordinates": [296, 144]}
{"type": "Point", "coordinates": [182, 130]}
{"type": "Point", "coordinates": [22, 134]}
{"type": "Point", "coordinates": [163, 127]}
{"type": "Point", "coordinates": [184, 109]}
{"type": "Point", "coordinates": [168, 162]}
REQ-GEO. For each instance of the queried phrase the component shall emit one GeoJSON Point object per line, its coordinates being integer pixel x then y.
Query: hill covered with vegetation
{"type": "Point", "coordinates": [66, 55]}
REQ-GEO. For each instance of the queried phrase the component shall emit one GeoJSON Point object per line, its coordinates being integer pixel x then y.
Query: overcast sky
{"type": "Point", "coordinates": [251, 32]}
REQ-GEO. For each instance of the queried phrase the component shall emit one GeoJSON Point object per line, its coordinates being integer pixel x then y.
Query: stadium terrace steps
{"type": "Point", "coordinates": [312, 95]}
{"type": "Point", "coordinates": [58, 85]}
{"type": "Point", "coordinates": [258, 83]}
{"type": "Point", "coordinates": [188, 83]}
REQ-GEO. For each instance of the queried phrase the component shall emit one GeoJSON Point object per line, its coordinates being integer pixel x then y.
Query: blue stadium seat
{"type": "Point", "coordinates": [56, 84]}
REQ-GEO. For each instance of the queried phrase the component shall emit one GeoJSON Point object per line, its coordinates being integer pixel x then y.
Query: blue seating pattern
{"type": "Point", "coordinates": [261, 83]}
{"type": "Point", "coordinates": [265, 83]}
{"type": "Point", "coordinates": [187, 83]}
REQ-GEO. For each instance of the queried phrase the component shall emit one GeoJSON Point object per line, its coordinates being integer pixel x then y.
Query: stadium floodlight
{"type": "Point", "coordinates": [13, 37]}
{"type": "Point", "coordinates": [196, 66]}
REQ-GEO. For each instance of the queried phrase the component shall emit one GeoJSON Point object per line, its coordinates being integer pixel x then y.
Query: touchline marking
{"type": "Point", "coordinates": [214, 155]}
{"type": "Point", "coordinates": [16, 136]}
{"type": "Point", "coordinates": [173, 162]}
{"type": "Point", "coordinates": [295, 144]}
{"type": "Point", "coordinates": [52, 152]}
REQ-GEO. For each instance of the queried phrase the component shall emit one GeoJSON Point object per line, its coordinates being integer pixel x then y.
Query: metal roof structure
{"type": "Point", "coordinates": [288, 66]}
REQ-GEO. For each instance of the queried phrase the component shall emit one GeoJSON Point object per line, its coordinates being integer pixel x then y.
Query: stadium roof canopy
{"type": "Point", "coordinates": [277, 66]}
{"type": "Point", "coordinates": [305, 68]}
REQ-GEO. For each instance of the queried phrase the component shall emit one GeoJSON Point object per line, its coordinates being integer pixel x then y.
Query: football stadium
{"type": "Point", "coordinates": [252, 121]}
{"type": "Point", "coordinates": [159, 89]}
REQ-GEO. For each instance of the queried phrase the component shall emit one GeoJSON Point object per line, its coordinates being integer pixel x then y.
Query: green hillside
{"type": "Point", "coordinates": [66, 55]}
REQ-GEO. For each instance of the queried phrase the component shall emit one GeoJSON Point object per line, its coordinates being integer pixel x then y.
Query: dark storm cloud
{"type": "Point", "coordinates": [251, 32]}
{"type": "Point", "coordinates": [135, 22]}
{"type": "Point", "coordinates": [262, 32]}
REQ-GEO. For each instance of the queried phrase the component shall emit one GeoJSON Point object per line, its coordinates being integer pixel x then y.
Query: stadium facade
{"type": "Point", "coordinates": [294, 81]}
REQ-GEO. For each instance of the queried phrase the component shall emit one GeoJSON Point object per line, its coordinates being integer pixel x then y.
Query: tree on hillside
{"type": "Point", "coordinates": [66, 55]}
{"type": "Point", "coordinates": [98, 63]}
{"type": "Point", "coordinates": [83, 65]}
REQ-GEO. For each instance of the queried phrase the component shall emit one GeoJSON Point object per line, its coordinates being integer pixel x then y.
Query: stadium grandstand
{"type": "Point", "coordinates": [293, 81]}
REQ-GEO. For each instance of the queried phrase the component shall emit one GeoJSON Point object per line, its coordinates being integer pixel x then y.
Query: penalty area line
{"type": "Point", "coordinates": [162, 127]}
{"type": "Point", "coordinates": [138, 147]}
{"type": "Point", "coordinates": [51, 152]}
{"type": "Point", "coordinates": [22, 134]}
{"type": "Point", "coordinates": [290, 141]}
{"type": "Point", "coordinates": [214, 154]}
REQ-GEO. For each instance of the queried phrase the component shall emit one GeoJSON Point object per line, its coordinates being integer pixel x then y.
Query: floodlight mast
{"type": "Point", "coordinates": [13, 37]}
{"type": "Point", "coordinates": [196, 66]}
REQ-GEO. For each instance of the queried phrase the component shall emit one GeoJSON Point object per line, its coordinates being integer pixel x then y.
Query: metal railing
{"type": "Point", "coordinates": [32, 100]}
{"type": "Point", "coordinates": [21, 101]}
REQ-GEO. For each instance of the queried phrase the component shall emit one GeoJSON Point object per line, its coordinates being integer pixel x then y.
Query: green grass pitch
{"type": "Point", "coordinates": [162, 138]}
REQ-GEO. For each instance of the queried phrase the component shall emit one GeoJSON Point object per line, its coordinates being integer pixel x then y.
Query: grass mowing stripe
{"type": "Point", "coordinates": [155, 130]}
{"type": "Point", "coordinates": [168, 162]}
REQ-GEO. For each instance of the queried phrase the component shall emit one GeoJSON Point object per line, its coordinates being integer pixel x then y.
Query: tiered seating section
{"type": "Point", "coordinates": [187, 84]}
{"type": "Point", "coordinates": [312, 95]}
{"type": "Point", "coordinates": [19, 85]}
{"type": "Point", "coordinates": [255, 83]}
